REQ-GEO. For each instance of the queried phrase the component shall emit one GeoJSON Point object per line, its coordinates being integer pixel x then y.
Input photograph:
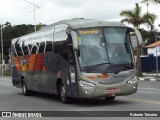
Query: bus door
{"type": "Point", "coordinates": [71, 59]}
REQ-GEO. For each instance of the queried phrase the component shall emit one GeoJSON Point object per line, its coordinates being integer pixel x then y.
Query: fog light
{"type": "Point", "coordinates": [86, 91]}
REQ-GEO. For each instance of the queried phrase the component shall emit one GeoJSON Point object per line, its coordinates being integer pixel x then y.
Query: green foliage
{"type": "Point", "coordinates": [145, 35]}
{"type": "Point", "coordinates": [10, 32]}
{"type": "Point", "coordinates": [152, 1]}
{"type": "Point", "coordinates": [136, 18]}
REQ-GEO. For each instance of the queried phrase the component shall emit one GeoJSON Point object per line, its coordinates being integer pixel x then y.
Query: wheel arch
{"type": "Point", "coordinates": [58, 82]}
{"type": "Point", "coordinates": [22, 78]}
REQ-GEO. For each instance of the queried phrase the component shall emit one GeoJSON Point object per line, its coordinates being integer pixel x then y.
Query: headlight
{"type": "Point", "coordinates": [86, 84]}
{"type": "Point", "coordinates": [132, 81]}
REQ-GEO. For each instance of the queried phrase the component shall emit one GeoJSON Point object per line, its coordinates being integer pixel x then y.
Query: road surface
{"type": "Point", "coordinates": [147, 98]}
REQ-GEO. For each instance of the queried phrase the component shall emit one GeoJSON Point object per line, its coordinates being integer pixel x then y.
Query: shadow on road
{"type": "Point", "coordinates": [78, 102]}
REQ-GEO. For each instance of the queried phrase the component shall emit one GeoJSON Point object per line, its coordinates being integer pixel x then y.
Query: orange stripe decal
{"type": "Point", "coordinates": [26, 57]}
{"type": "Point", "coordinates": [17, 63]}
{"type": "Point", "coordinates": [31, 62]}
{"type": "Point", "coordinates": [39, 60]}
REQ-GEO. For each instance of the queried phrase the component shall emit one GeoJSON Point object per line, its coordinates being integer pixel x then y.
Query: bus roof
{"type": "Point", "coordinates": [77, 23]}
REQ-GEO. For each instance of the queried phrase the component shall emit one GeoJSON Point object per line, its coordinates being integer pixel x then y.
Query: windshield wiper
{"type": "Point", "coordinates": [95, 66]}
{"type": "Point", "coordinates": [92, 68]}
{"type": "Point", "coordinates": [126, 66]}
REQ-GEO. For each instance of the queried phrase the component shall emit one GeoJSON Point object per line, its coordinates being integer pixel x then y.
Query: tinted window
{"type": "Point", "coordinates": [19, 51]}
{"type": "Point", "coordinates": [25, 50]}
{"type": "Point", "coordinates": [48, 46]}
{"type": "Point", "coordinates": [34, 50]}
{"type": "Point", "coordinates": [61, 44]}
{"type": "Point", "coordinates": [41, 48]}
{"type": "Point", "coordinates": [61, 48]}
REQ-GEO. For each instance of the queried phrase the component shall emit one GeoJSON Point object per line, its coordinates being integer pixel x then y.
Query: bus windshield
{"type": "Point", "coordinates": [106, 47]}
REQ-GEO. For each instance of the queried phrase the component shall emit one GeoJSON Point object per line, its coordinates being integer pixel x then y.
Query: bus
{"type": "Point", "coordinates": [76, 58]}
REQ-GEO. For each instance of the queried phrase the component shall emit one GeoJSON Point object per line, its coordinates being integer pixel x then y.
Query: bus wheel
{"type": "Point", "coordinates": [110, 98]}
{"type": "Point", "coordinates": [62, 93]}
{"type": "Point", "coordinates": [26, 92]}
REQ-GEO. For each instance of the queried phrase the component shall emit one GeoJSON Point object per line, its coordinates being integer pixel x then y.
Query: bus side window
{"type": "Point", "coordinates": [19, 50]}
{"type": "Point", "coordinates": [61, 44]}
{"type": "Point", "coordinates": [34, 50]}
{"type": "Point", "coordinates": [25, 50]}
{"type": "Point", "coordinates": [42, 47]}
{"type": "Point", "coordinates": [48, 46]}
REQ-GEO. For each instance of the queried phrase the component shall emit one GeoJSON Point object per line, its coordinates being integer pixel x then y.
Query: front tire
{"type": "Point", "coordinates": [110, 98]}
{"type": "Point", "coordinates": [25, 91]}
{"type": "Point", "coordinates": [62, 93]}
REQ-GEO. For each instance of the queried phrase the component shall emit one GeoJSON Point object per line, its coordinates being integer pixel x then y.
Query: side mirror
{"type": "Point", "coordinates": [74, 40]}
{"type": "Point", "coordinates": [136, 38]}
{"type": "Point", "coordinates": [139, 37]}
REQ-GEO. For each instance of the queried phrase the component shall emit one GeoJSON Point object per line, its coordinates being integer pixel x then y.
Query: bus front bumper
{"type": "Point", "coordinates": [104, 90]}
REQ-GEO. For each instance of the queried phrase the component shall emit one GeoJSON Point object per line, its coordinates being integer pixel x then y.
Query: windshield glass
{"type": "Point", "coordinates": [104, 48]}
{"type": "Point", "coordinates": [92, 49]}
{"type": "Point", "coordinates": [118, 46]}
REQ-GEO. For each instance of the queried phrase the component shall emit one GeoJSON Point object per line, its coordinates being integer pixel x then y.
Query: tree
{"type": "Point", "coordinates": [7, 24]}
{"type": "Point", "coordinates": [152, 1]}
{"type": "Point", "coordinates": [10, 32]}
{"type": "Point", "coordinates": [136, 18]}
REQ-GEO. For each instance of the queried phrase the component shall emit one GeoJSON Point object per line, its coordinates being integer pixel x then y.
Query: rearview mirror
{"type": "Point", "coordinates": [136, 38]}
{"type": "Point", "coordinates": [139, 37]}
{"type": "Point", "coordinates": [133, 39]}
{"type": "Point", "coordinates": [74, 40]}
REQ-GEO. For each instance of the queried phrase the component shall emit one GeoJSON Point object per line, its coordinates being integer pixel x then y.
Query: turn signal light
{"type": "Point", "coordinates": [90, 77]}
{"type": "Point", "coordinates": [99, 76]}
{"type": "Point", "coordinates": [103, 76]}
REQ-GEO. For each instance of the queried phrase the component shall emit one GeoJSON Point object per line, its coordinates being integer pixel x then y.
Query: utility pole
{"type": "Point", "coordinates": [34, 16]}
{"type": "Point", "coordinates": [2, 45]}
{"type": "Point", "coordinates": [34, 11]}
{"type": "Point", "coordinates": [155, 34]}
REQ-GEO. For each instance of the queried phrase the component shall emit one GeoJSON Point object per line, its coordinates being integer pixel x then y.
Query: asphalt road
{"type": "Point", "coordinates": [147, 98]}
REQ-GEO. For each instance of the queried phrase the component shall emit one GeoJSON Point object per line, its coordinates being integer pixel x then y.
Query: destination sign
{"type": "Point", "coordinates": [84, 32]}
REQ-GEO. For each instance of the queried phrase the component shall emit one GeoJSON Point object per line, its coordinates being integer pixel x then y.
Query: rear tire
{"type": "Point", "coordinates": [25, 91]}
{"type": "Point", "coordinates": [62, 93]}
{"type": "Point", "coordinates": [110, 98]}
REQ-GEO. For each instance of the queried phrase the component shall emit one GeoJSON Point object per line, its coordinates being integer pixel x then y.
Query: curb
{"type": "Point", "coordinates": [148, 79]}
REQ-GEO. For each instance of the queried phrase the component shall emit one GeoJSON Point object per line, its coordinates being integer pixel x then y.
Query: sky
{"type": "Point", "coordinates": [50, 11]}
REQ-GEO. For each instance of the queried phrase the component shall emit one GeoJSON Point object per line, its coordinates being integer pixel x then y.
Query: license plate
{"type": "Point", "coordinates": [112, 90]}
